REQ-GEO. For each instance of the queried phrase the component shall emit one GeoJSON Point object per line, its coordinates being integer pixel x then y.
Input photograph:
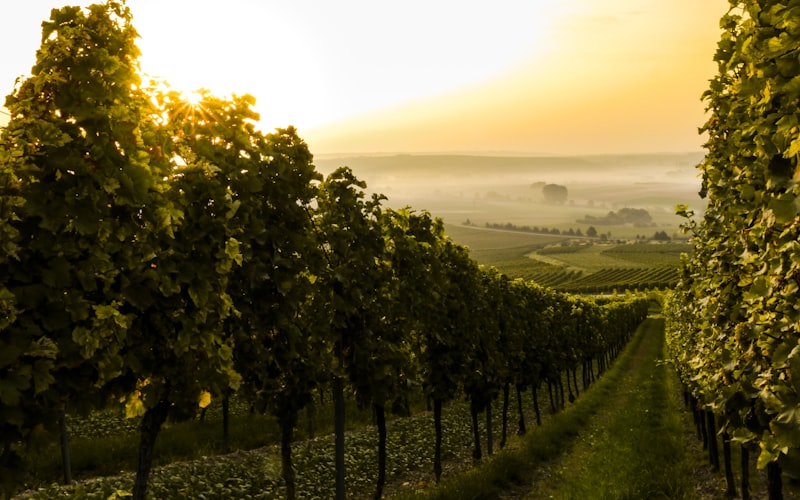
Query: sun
{"type": "Point", "coordinates": [194, 103]}
{"type": "Point", "coordinates": [193, 98]}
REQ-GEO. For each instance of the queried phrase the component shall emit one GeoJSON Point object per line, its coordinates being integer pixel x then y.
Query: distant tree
{"type": "Point", "coordinates": [661, 236]}
{"type": "Point", "coordinates": [554, 193]}
{"type": "Point", "coordinates": [591, 232]}
{"type": "Point", "coordinates": [635, 216]}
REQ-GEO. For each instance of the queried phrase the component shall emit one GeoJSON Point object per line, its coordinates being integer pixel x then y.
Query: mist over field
{"type": "Point", "coordinates": [508, 189]}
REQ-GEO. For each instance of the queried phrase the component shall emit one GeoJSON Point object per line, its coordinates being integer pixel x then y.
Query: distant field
{"type": "Point", "coordinates": [660, 254]}
{"type": "Point", "coordinates": [594, 257]}
{"type": "Point", "coordinates": [590, 259]}
{"type": "Point", "coordinates": [506, 250]}
{"type": "Point", "coordinates": [589, 267]}
{"type": "Point", "coordinates": [606, 267]}
{"type": "Point", "coordinates": [482, 239]}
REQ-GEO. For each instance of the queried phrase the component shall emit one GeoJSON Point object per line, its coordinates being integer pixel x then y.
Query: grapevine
{"type": "Point", "coordinates": [733, 321]}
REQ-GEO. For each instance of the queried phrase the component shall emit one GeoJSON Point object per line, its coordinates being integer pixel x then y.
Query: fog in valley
{"type": "Point", "coordinates": [508, 189]}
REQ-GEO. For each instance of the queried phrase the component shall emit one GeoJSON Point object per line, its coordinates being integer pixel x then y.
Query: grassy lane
{"type": "Point", "coordinates": [624, 438]}
{"type": "Point", "coordinates": [633, 447]}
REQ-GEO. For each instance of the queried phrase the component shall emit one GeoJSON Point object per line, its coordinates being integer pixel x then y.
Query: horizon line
{"type": "Point", "coordinates": [503, 153]}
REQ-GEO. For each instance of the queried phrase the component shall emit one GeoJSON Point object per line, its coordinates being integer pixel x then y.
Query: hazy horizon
{"type": "Point", "coordinates": [502, 154]}
{"type": "Point", "coordinates": [503, 189]}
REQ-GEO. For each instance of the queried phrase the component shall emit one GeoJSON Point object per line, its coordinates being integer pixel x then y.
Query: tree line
{"type": "Point", "coordinates": [733, 321]}
{"type": "Point", "coordinates": [166, 253]}
{"type": "Point", "coordinates": [638, 217]}
{"type": "Point", "coordinates": [508, 226]}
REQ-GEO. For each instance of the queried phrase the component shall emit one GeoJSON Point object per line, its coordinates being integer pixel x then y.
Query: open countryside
{"type": "Point", "coordinates": [192, 307]}
{"type": "Point", "coordinates": [495, 207]}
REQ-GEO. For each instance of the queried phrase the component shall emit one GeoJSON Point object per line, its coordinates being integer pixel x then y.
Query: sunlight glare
{"type": "Point", "coordinates": [194, 98]}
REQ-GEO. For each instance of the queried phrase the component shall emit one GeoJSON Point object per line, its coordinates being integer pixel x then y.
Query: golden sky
{"type": "Point", "coordinates": [512, 76]}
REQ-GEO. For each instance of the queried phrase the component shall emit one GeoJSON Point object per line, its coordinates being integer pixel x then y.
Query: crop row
{"type": "Point", "coordinates": [607, 280]}
{"type": "Point", "coordinates": [557, 278]}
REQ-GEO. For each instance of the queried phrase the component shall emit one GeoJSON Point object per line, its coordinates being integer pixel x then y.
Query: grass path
{"type": "Point", "coordinates": [624, 438]}
{"type": "Point", "coordinates": [632, 448]}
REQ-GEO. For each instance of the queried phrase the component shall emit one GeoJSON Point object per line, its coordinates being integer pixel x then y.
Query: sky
{"type": "Point", "coordinates": [360, 76]}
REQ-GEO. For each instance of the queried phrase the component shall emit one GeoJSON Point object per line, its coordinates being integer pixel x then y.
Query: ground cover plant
{"type": "Point", "coordinates": [104, 442]}
{"type": "Point", "coordinates": [256, 473]}
{"type": "Point", "coordinates": [633, 448]}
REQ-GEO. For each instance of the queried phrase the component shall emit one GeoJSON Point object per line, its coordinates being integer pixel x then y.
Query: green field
{"type": "Point", "coordinates": [594, 257]}
{"type": "Point", "coordinates": [572, 264]}
{"type": "Point", "coordinates": [484, 241]}
{"type": "Point", "coordinates": [506, 250]}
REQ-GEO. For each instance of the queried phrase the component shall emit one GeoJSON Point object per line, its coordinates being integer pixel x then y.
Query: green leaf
{"type": "Point", "coordinates": [780, 354]}
{"type": "Point", "coordinates": [42, 375]}
{"type": "Point", "coordinates": [747, 192]}
{"type": "Point", "coordinates": [105, 311]}
{"type": "Point", "coordinates": [764, 458]}
{"type": "Point", "coordinates": [783, 208]}
{"type": "Point", "coordinates": [757, 290]}
{"type": "Point", "coordinates": [134, 406]}
{"type": "Point", "coordinates": [794, 148]}
{"type": "Point", "coordinates": [232, 250]}
{"type": "Point", "coordinates": [791, 417]}
{"type": "Point", "coordinates": [9, 354]}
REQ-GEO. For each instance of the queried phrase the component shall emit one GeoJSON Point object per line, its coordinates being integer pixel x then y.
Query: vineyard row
{"type": "Point", "coordinates": [733, 320]}
{"type": "Point", "coordinates": [160, 253]}
{"type": "Point", "coordinates": [608, 280]}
